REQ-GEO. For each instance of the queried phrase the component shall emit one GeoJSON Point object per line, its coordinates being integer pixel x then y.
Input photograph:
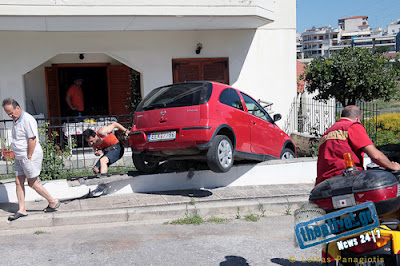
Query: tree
{"type": "Point", "coordinates": [350, 75]}
{"type": "Point", "coordinates": [382, 49]}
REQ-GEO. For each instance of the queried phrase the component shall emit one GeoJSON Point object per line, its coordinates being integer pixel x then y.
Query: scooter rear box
{"type": "Point", "coordinates": [380, 187]}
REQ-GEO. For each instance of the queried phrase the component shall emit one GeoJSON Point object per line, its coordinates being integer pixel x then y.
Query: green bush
{"type": "Point", "coordinates": [387, 126]}
{"type": "Point", "coordinates": [53, 166]}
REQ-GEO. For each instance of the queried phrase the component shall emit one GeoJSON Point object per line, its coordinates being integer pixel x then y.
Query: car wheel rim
{"type": "Point", "coordinates": [224, 153]}
{"type": "Point", "coordinates": [149, 164]}
{"type": "Point", "coordinates": [287, 155]}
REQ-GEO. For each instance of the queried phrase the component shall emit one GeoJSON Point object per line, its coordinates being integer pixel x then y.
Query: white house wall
{"type": "Point", "coordinates": [127, 15]}
{"type": "Point", "coordinates": [262, 62]}
{"type": "Point", "coordinates": [269, 72]}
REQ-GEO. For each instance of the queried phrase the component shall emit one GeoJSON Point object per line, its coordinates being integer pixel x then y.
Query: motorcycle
{"type": "Point", "coordinates": [380, 246]}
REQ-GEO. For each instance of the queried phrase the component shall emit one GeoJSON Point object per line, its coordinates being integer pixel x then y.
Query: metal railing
{"type": "Point", "coordinates": [315, 117]}
{"type": "Point", "coordinates": [66, 135]}
{"type": "Point", "coordinates": [310, 116]}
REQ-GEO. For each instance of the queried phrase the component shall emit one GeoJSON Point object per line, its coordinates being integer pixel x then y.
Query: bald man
{"type": "Point", "coordinates": [347, 135]}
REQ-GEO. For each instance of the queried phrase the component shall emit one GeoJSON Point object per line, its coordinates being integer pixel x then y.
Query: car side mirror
{"type": "Point", "coordinates": [277, 117]}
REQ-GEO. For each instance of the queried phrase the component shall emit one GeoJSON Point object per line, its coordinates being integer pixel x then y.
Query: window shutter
{"type": "Point", "coordinates": [193, 69]}
{"type": "Point", "coordinates": [119, 89]}
{"type": "Point", "coordinates": [53, 92]}
{"type": "Point", "coordinates": [187, 72]}
{"type": "Point", "coordinates": [216, 71]}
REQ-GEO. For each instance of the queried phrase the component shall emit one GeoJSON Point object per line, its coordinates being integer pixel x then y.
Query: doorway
{"type": "Point", "coordinates": [94, 87]}
{"type": "Point", "coordinates": [108, 89]}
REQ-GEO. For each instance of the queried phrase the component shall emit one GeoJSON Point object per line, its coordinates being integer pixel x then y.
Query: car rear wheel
{"type": "Point", "coordinates": [142, 165]}
{"type": "Point", "coordinates": [220, 155]}
{"type": "Point", "coordinates": [287, 154]}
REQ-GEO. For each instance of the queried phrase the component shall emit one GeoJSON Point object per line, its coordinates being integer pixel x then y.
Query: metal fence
{"type": "Point", "coordinates": [65, 136]}
{"type": "Point", "coordinates": [315, 117]}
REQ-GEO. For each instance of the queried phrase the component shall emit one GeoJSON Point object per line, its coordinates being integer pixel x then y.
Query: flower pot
{"type": "Point", "coordinates": [8, 155]}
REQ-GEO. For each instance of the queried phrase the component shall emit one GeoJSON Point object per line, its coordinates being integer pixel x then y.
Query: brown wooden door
{"type": "Point", "coordinates": [193, 69]}
{"type": "Point", "coordinates": [119, 89]}
{"type": "Point", "coordinates": [53, 92]}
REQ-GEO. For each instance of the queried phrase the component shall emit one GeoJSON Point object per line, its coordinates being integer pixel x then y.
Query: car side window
{"type": "Point", "coordinates": [255, 108]}
{"type": "Point", "coordinates": [231, 98]}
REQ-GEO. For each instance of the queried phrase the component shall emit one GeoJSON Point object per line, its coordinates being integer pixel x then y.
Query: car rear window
{"type": "Point", "coordinates": [176, 95]}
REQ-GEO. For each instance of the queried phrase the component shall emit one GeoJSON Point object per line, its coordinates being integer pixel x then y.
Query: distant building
{"type": "Point", "coordinates": [351, 31]}
{"type": "Point", "coordinates": [394, 27]}
{"type": "Point", "coordinates": [299, 46]}
{"type": "Point", "coordinates": [317, 41]}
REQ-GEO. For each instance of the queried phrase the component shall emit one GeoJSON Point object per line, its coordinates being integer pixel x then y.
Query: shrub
{"type": "Point", "coordinates": [387, 126]}
{"type": "Point", "coordinates": [53, 166]}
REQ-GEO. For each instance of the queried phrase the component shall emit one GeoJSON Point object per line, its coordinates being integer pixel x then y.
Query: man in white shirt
{"type": "Point", "coordinates": [28, 157]}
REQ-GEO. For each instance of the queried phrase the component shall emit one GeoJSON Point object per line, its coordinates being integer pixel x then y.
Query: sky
{"type": "Point", "coordinates": [320, 13]}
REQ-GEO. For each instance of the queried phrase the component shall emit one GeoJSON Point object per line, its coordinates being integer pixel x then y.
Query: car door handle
{"type": "Point", "coordinates": [163, 120]}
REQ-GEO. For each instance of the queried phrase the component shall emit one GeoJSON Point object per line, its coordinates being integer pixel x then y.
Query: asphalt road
{"type": "Point", "coordinates": [268, 241]}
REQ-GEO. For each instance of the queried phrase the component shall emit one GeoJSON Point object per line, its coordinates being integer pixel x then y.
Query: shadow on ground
{"type": "Point", "coordinates": [9, 207]}
{"type": "Point", "coordinates": [193, 193]}
{"type": "Point", "coordinates": [234, 261]}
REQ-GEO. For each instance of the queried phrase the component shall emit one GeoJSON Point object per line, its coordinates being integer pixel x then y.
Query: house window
{"type": "Point", "coordinates": [194, 69]}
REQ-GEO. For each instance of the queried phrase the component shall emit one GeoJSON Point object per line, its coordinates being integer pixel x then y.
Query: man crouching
{"type": "Point", "coordinates": [105, 143]}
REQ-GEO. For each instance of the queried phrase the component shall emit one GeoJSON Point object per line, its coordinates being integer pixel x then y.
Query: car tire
{"type": "Point", "coordinates": [220, 155]}
{"type": "Point", "coordinates": [142, 165]}
{"type": "Point", "coordinates": [287, 154]}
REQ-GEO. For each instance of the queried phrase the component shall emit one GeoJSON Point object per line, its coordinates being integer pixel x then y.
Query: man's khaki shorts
{"type": "Point", "coordinates": [30, 168]}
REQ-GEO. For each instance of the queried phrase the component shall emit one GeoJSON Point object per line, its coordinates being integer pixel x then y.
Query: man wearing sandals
{"type": "Point", "coordinates": [28, 157]}
{"type": "Point", "coordinates": [105, 143]}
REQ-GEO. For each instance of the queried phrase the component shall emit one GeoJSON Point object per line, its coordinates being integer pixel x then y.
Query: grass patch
{"type": "Point", "coordinates": [252, 217]}
{"type": "Point", "coordinates": [193, 219]}
{"type": "Point", "coordinates": [197, 220]}
{"type": "Point", "coordinates": [192, 201]}
{"type": "Point", "coordinates": [238, 213]}
{"type": "Point", "coordinates": [89, 171]}
{"type": "Point", "coordinates": [7, 176]}
{"type": "Point", "coordinates": [217, 220]}
{"type": "Point", "coordinates": [40, 232]}
{"type": "Point", "coordinates": [80, 172]}
{"type": "Point", "coordinates": [262, 210]}
{"type": "Point", "coordinates": [288, 207]}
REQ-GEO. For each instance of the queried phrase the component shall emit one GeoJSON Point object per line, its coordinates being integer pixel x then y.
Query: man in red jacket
{"type": "Point", "coordinates": [347, 135]}
{"type": "Point", "coordinates": [105, 143]}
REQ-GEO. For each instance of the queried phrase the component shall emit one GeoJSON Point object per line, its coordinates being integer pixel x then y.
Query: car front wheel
{"type": "Point", "coordinates": [220, 155]}
{"type": "Point", "coordinates": [287, 154]}
{"type": "Point", "coordinates": [142, 165]}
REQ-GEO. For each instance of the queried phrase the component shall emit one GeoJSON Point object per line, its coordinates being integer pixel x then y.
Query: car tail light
{"type": "Point", "coordinates": [370, 246]}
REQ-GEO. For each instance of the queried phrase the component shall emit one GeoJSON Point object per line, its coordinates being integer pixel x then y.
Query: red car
{"type": "Point", "coordinates": [204, 121]}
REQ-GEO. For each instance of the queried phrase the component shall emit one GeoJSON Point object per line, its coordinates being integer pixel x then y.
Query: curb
{"type": "Point", "coordinates": [273, 206]}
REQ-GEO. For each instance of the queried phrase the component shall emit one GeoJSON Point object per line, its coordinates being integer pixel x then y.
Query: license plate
{"type": "Point", "coordinates": [161, 136]}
